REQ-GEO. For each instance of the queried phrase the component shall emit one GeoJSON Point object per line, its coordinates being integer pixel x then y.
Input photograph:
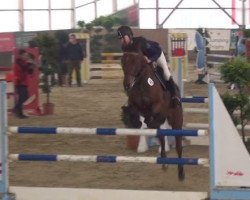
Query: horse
{"type": "Point", "coordinates": [149, 100]}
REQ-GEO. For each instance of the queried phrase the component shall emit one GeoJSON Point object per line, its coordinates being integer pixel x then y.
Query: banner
{"type": "Point", "coordinates": [7, 45]}
{"type": "Point", "coordinates": [219, 38]}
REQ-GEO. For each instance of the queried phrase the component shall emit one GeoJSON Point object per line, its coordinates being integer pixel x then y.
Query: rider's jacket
{"type": "Point", "coordinates": [149, 48]}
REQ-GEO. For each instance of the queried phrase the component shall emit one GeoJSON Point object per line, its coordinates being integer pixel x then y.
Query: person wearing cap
{"type": "Point", "coordinates": [152, 52]}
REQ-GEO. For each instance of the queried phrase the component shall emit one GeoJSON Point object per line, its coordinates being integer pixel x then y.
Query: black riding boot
{"type": "Point", "coordinates": [200, 79]}
{"type": "Point", "coordinates": [174, 91]}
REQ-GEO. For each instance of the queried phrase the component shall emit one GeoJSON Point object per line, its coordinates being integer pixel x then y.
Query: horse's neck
{"type": "Point", "coordinates": [147, 72]}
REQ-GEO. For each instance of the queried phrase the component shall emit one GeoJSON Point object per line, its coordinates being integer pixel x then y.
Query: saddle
{"type": "Point", "coordinates": [159, 75]}
{"type": "Point", "coordinates": [166, 85]}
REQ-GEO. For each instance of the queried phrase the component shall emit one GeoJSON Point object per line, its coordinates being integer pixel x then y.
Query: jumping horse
{"type": "Point", "coordinates": [149, 99]}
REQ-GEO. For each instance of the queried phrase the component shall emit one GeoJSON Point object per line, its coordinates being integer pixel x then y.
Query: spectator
{"type": "Point", "coordinates": [74, 59]}
{"type": "Point", "coordinates": [241, 46]}
{"type": "Point", "coordinates": [23, 68]}
{"type": "Point", "coordinates": [201, 56]}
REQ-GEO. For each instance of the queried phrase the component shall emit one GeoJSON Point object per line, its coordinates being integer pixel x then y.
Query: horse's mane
{"type": "Point", "coordinates": [136, 53]}
{"type": "Point", "coordinates": [132, 52]}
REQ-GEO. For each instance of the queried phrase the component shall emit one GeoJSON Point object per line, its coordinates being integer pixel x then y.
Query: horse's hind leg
{"type": "Point", "coordinates": [169, 140]}
{"type": "Point", "coordinates": [162, 152]}
{"type": "Point", "coordinates": [177, 123]}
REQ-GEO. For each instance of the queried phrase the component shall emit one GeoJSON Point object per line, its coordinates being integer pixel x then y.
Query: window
{"type": "Point", "coordinates": [107, 4]}
{"type": "Point", "coordinates": [10, 4]}
{"type": "Point", "coordinates": [10, 23]}
{"type": "Point", "coordinates": [57, 4]}
{"type": "Point", "coordinates": [86, 13]}
{"type": "Point", "coordinates": [60, 24]}
{"type": "Point", "coordinates": [36, 20]}
{"type": "Point", "coordinates": [31, 4]}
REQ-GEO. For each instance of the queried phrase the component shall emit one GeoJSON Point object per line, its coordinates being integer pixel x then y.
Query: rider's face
{"type": "Point", "coordinates": [125, 40]}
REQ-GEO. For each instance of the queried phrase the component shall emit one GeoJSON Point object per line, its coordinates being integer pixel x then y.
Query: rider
{"type": "Point", "coordinates": [152, 52]}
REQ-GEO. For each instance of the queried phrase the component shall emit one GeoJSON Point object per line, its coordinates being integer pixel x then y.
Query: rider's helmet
{"type": "Point", "coordinates": [124, 30]}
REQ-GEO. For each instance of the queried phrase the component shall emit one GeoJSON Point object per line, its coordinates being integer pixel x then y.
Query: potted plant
{"type": "Point", "coordinates": [46, 84]}
{"type": "Point", "coordinates": [237, 71]}
{"type": "Point", "coordinates": [49, 60]}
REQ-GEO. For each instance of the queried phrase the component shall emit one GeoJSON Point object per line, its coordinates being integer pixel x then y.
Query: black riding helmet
{"type": "Point", "coordinates": [124, 30]}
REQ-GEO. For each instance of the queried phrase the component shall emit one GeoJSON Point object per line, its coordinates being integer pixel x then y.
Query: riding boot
{"type": "Point", "coordinates": [174, 92]}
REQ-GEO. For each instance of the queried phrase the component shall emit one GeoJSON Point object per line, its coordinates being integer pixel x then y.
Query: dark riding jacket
{"type": "Point", "coordinates": [149, 48]}
{"type": "Point", "coordinates": [74, 52]}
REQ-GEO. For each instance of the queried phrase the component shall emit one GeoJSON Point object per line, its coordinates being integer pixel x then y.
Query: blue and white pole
{"type": "Point", "coordinates": [109, 159]}
{"type": "Point", "coordinates": [107, 131]}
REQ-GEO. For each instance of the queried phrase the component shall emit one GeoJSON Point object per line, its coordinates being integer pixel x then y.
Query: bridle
{"type": "Point", "coordinates": [129, 86]}
{"type": "Point", "coordinates": [134, 78]}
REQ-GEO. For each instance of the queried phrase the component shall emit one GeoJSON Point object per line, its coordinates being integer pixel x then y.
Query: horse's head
{"type": "Point", "coordinates": [132, 64]}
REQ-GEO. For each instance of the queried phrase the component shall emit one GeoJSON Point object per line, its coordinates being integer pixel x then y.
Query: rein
{"type": "Point", "coordinates": [140, 74]}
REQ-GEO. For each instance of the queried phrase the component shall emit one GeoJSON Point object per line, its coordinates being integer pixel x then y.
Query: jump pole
{"type": "Point", "coordinates": [4, 180]}
{"type": "Point", "coordinates": [106, 131]}
{"type": "Point", "coordinates": [108, 159]}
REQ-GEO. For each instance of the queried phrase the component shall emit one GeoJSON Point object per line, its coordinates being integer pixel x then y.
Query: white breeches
{"type": "Point", "coordinates": [161, 61]}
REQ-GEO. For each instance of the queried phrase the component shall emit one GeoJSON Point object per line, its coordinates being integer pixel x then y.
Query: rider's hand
{"type": "Point", "coordinates": [147, 59]}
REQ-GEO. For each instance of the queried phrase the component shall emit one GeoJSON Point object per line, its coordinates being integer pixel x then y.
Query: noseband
{"type": "Point", "coordinates": [130, 85]}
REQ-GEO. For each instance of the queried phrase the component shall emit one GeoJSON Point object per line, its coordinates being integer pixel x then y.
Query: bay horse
{"type": "Point", "coordinates": [149, 99]}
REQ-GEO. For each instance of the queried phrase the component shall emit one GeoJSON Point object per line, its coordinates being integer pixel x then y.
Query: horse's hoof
{"type": "Point", "coordinates": [181, 177]}
{"type": "Point", "coordinates": [164, 167]}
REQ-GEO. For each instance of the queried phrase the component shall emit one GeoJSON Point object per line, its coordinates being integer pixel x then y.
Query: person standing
{"type": "Point", "coordinates": [23, 68]}
{"type": "Point", "coordinates": [201, 56]}
{"type": "Point", "coordinates": [74, 58]}
{"type": "Point", "coordinates": [241, 44]}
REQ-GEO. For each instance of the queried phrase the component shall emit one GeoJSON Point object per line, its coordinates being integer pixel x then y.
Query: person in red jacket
{"type": "Point", "coordinates": [23, 68]}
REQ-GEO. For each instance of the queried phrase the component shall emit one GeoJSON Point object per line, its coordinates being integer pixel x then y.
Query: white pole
{"type": "Point", "coordinates": [4, 180]}
{"type": "Point", "coordinates": [180, 76]}
{"type": "Point", "coordinates": [243, 14]}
